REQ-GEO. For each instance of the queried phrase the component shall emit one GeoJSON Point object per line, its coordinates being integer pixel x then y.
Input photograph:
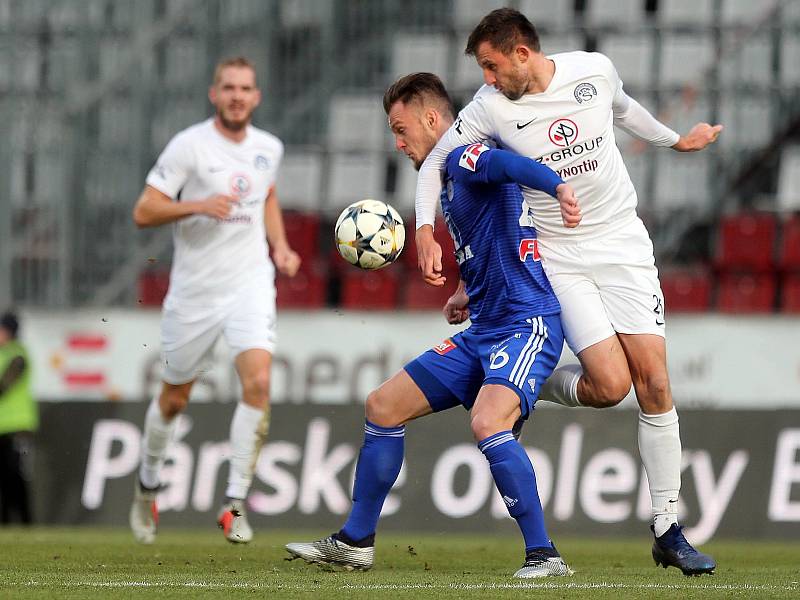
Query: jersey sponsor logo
{"type": "Point", "coordinates": [457, 126]}
{"type": "Point", "coordinates": [571, 151]}
{"type": "Point", "coordinates": [585, 92]}
{"type": "Point", "coordinates": [445, 347]}
{"type": "Point", "coordinates": [469, 159]}
{"type": "Point", "coordinates": [261, 162]}
{"type": "Point", "coordinates": [524, 125]}
{"type": "Point", "coordinates": [529, 247]}
{"type": "Point", "coordinates": [586, 166]}
{"type": "Point", "coordinates": [563, 132]}
{"type": "Point", "coordinates": [240, 185]}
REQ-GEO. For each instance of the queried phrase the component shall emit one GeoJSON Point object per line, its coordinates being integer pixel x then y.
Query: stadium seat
{"type": "Point", "coordinates": [418, 295]}
{"type": "Point", "coordinates": [686, 290]}
{"type": "Point", "coordinates": [302, 231]}
{"type": "Point", "coordinates": [548, 15]}
{"type": "Point", "coordinates": [622, 14]}
{"type": "Point", "coordinates": [685, 13]}
{"type": "Point", "coordinates": [469, 12]}
{"type": "Point", "coordinates": [744, 117]}
{"type": "Point", "coordinates": [632, 55]}
{"type": "Point", "coordinates": [743, 12]}
{"type": "Point", "coordinates": [299, 181]}
{"type": "Point", "coordinates": [405, 186]}
{"type": "Point", "coordinates": [681, 181]}
{"type": "Point", "coordinates": [355, 177]}
{"type": "Point", "coordinates": [685, 59]}
{"type": "Point", "coordinates": [750, 63]}
{"type": "Point", "coordinates": [789, 255]}
{"type": "Point", "coordinates": [790, 293]}
{"type": "Point", "coordinates": [307, 289]}
{"type": "Point", "coordinates": [746, 293]}
{"type": "Point", "coordinates": [415, 52]}
{"type": "Point", "coordinates": [746, 242]}
{"type": "Point", "coordinates": [790, 66]}
{"type": "Point", "coordinates": [553, 43]}
{"type": "Point", "coordinates": [186, 61]}
{"type": "Point", "coordinates": [369, 290]}
{"type": "Point", "coordinates": [788, 194]}
{"type": "Point", "coordinates": [301, 13]}
{"type": "Point", "coordinates": [153, 286]}
{"type": "Point", "coordinates": [357, 122]}
{"type": "Point", "coordinates": [441, 235]}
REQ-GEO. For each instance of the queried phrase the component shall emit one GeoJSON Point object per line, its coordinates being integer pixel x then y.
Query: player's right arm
{"type": "Point", "coordinates": [472, 125]}
{"type": "Point", "coordinates": [155, 208]}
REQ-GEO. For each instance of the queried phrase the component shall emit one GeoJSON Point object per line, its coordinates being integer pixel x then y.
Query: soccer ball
{"type": "Point", "coordinates": [370, 234]}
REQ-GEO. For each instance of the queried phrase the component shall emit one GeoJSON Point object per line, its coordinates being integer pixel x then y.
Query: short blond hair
{"type": "Point", "coordinates": [236, 61]}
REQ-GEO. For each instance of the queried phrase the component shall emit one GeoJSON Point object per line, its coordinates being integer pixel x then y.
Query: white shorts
{"type": "Point", "coordinates": [189, 332]}
{"type": "Point", "coordinates": [605, 286]}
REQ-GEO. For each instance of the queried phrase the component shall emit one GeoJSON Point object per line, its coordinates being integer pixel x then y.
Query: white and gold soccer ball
{"type": "Point", "coordinates": [370, 234]}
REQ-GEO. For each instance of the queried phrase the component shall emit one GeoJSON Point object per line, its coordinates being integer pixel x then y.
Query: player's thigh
{"type": "Point", "coordinates": [250, 324]}
{"type": "Point", "coordinates": [396, 401]}
{"type": "Point", "coordinates": [188, 335]}
{"type": "Point", "coordinates": [522, 356]}
{"type": "Point", "coordinates": [647, 359]}
{"type": "Point", "coordinates": [496, 409]}
{"type": "Point", "coordinates": [606, 376]}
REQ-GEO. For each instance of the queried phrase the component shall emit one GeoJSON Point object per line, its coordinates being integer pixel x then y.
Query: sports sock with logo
{"type": "Point", "coordinates": [155, 440]}
{"type": "Point", "coordinates": [379, 464]}
{"type": "Point", "coordinates": [248, 430]}
{"type": "Point", "coordinates": [562, 386]}
{"type": "Point", "coordinates": [660, 449]}
{"type": "Point", "coordinates": [513, 474]}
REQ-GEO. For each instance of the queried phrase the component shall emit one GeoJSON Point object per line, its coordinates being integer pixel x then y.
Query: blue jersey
{"type": "Point", "coordinates": [493, 233]}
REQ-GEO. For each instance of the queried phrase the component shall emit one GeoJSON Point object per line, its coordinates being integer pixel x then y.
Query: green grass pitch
{"type": "Point", "coordinates": [106, 563]}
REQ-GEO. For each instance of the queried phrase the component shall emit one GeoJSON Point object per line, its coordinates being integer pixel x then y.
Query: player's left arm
{"type": "Point", "coordinates": [12, 374]}
{"type": "Point", "coordinates": [456, 309]}
{"type": "Point", "coordinates": [286, 260]}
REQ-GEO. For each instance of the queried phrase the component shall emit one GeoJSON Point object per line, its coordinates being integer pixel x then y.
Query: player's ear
{"type": "Point", "coordinates": [258, 97]}
{"type": "Point", "coordinates": [212, 94]}
{"type": "Point", "coordinates": [431, 118]}
{"type": "Point", "coordinates": [523, 53]}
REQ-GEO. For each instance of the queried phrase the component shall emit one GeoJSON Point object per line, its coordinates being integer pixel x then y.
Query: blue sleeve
{"type": "Point", "coordinates": [506, 167]}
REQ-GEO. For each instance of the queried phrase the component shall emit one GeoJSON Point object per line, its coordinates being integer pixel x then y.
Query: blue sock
{"type": "Point", "coordinates": [378, 466]}
{"type": "Point", "coordinates": [513, 474]}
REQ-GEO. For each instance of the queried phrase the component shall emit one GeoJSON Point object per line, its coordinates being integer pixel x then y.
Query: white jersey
{"type": "Point", "coordinates": [570, 128]}
{"type": "Point", "coordinates": [215, 258]}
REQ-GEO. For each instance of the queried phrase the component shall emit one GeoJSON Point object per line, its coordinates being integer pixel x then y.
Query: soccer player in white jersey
{"type": "Point", "coordinates": [561, 110]}
{"type": "Point", "coordinates": [215, 183]}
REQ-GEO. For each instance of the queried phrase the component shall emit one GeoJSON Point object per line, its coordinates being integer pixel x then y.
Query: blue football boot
{"type": "Point", "coordinates": [672, 550]}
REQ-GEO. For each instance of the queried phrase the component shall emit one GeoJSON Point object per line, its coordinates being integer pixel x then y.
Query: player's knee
{"type": "Point", "coordinates": [611, 390]}
{"type": "Point", "coordinates": [173, 403]}
{"type": "Point", "coordinates": [382, 409]}
{"type": "Point", "coordinates": [256, 386]}
{"type": "Point", "coordinates": [653, 392]}
{"type": "Point", "coordinates": [484, 424]}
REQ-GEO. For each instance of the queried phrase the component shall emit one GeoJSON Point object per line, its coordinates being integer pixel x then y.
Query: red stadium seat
{"type": "Point", "coordinates": [302, 231]}
{"type": "Point", "coordinates": [789, 259]}
{"type": "Point", "coordinates": [746, 293]}
{"type": "Point", "coordinates": [418, 295]}
{"type": "Point", "coordinates": [441, 235]}
{"type": "Point", "coordinates": [687, 290]}
{"type": "Point", "coordinates": [153, 286]}
{"type": "Point", "coordinates": [746, 242]}
{"type": "Point", "coordinates": [369, 290]}
{"type": "Point", "coordinates": [790, 293]}
{"type": "Point", "coordinates": [307, 289]}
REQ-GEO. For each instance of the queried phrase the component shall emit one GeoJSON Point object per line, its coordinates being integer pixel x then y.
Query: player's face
{"type": "Point", "coordinates": [505, 72]}
{"type": "Point", "coordinates": [414, 133]}
{"type": "Point", "coordinates": [235, 96]}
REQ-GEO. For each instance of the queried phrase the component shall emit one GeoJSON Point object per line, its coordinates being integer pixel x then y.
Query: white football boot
{"type": "Point", "coordinates": [331, 551]}
{"type": "Point", "coordinates": [232, 520]}
{"type": "Point", "coordinates": [143, 517]}
{"type": "Point", "coordinates": [543, 562]}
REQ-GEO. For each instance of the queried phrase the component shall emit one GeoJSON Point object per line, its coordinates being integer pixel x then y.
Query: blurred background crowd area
{"type": "Point", "coordinates": [91, 91]}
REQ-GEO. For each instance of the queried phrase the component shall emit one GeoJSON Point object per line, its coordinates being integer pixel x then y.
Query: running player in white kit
{"type": "Point", "coordinates": [561, 110]}
{"type": "Point", "coordinates": [215, 182]}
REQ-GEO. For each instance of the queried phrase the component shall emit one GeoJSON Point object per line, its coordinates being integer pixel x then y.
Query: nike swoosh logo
{"type": "Point", "coordinates": [215, 169]}
{"type": "Point", "coordinates": [523, 125]}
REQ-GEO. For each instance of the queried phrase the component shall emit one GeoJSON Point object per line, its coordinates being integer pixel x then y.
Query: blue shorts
{"type": "Point", "coordinates": [520, 356]}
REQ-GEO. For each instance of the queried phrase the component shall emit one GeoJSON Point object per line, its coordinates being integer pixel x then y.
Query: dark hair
{"type": "Point", "coordinates": [504, 29]}
{"type": "Point", "coordinates": [418, 87]}
{"type": "Point", "coordinates": [10, 322]}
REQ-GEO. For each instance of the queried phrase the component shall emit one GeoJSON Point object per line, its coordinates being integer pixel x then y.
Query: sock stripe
{"type": "Point", "coordinates": [378, 431]}
{"type": "Point", "coordinates": [495, 440]}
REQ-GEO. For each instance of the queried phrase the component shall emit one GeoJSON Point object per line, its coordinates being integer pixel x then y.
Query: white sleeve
{"type": "Point", "coordinates": [172, 168]}
{"type": "Point", "coordinates": [632, 117]}
{"type": "Point", "coordinates": [472, 125]}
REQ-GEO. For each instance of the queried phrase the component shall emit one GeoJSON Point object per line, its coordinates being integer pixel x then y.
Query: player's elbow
{"type": "Point", "coordinates": [141, 216]}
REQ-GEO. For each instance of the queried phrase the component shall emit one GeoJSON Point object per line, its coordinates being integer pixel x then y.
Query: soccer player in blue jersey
{"type": "Point", "coordinates": [497, 366]}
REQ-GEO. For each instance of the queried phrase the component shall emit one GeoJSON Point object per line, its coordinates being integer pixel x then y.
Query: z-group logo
{"type": "Point", "coordinates": [563, 132]}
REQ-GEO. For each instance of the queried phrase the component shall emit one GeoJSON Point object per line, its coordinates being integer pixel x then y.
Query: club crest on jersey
{"type": "Point", "coordinates": [529, 247]}
{"type": "Point", "coordinates": [240, 185]}
{"type": "Point", "coordinates": [261, 163]}
{"type": "Point", "coordinates": [469, 159]}
{"type": "Point", "coordinates": [444, 347]}
{"type": "Point", "coordinates": [585, 92]}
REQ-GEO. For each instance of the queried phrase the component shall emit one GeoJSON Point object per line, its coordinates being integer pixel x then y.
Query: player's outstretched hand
{"type": "Point", "coordinates": [456, 309]}
{"type": "Point", "coordinates": [700, 136]}
{"type": "Point", "coordinates": [286, 260]}
{"type": "Point", "coordinates": [570, 211]}
{"type": "Point", "coordinates": [218, 206]}
{"type": "Point", "coordinates": [429, 256]}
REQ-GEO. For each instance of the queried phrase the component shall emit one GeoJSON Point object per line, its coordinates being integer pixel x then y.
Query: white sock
{"type": "Point", "coordinates": [562, 386]}
{"type": "Point", "coordinates": [248, 430]}
{"type": "Point", "coordinates": [155, 440]}
{"type": "Point", "coordinates": [660, 449]}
